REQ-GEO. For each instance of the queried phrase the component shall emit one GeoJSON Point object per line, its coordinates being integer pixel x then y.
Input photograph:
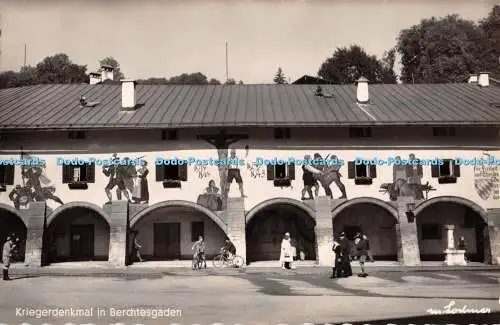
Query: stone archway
{"type": "Point", "coordinates": [267, 222]}
{"type": "Point", "coordinates": [467, 217]}
{"type": "Point", "coordinates": [373, 217]}
{"type": "Point", "coordinates": [13, 224]}
{"type": "Point", "coordinates": [167, 230]}
{"type": "Point", "coordinates": [77, 231]}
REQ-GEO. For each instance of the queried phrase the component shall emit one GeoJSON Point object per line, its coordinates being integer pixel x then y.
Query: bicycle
{"type": "Point", "coordinates": [223, 260]}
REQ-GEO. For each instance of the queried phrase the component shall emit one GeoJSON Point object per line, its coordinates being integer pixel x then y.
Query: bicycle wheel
{"type": "Point", "coordinates": [238, 261]}
{"type": "Point", "coordinates": [219, 261]}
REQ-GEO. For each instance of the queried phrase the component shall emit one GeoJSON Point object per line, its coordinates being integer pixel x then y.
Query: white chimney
{"type": "Point", "coordinates": [95, 78]}
{"type": "Point", "coordinates": [473, 78]}
{"type": "Point", "coordinates": [128, 94]}
{"type": "Point", "coordinates": [484, 79]}
{"type": "Point", "coordinates": [107, 72]}
{"type": "Point", "coordinates": [362, 92]}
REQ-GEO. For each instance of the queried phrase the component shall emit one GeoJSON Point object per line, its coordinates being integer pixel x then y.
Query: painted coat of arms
{"type": "Point", "coordinates": [486, 181]}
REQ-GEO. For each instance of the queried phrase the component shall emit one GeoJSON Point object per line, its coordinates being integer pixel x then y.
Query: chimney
{"type": "Point", "coordinates": [473, 78]}
{"type": "Point", "coordinates": [95, 78]}
{"type": "Point", "coordinates": [128, 94]}
{"type": "Point", "coordinates": [362, 91]}
{"type": "Point", "coordinates": [484, 79]}
{"type": "Point", "coordinates": [107, 72]}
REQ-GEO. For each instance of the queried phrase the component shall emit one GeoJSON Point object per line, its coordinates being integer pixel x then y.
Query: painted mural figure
{"type": "Point", "coordinates": [20, 196]}
{"type": "Point", "coordinates": [211, 198]}
{"type": "Point", "coordinates": [141, 188]}
{"type": "Point", "coordinates": [328, 174]}
{"type": "Point", "coordinates": [118, 174]}
{"type": "Point", "coordinates": [309, 182]}
{"type": "Point", "coordinates": [234, 173]}
{"type": "Point", "coordinates": [407, 181]}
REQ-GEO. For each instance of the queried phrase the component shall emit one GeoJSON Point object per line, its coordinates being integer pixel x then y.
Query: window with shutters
{"type": "Point", "coordinates": [6, 176]}
{"type": "Point", "coordinates": [446, 173]}
{"type": "Point", "coordinates": [197, 230]}
{"type": "Point", "coordinates": [360, 132]}
{"type": "Point", "coordinates": [77, 177]}
{"type": "Point", "coordinates": [76, 135]}
{"type": "Point", "coordinates": [169, 135]}
{"type": "Point", "coordinates": [443, 131]}
{"type": "Point", "coordinates": [172, 176]}
{"type": "Point", "coordinates": [362, 174]}
{"type": "Point", "coordinates": [281, 175]}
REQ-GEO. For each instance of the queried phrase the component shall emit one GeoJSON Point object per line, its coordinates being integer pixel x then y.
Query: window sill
{"type": "Point", "coordinates": [363, 181]}
{"type": "Point", "coordinates": [447, 180]}
{"type": "Point", "coordinates": [78, 186]}
{"type": "Point", "coordinates": [171, 184]}
{"type": "Point", "coordinates": [282, 182]}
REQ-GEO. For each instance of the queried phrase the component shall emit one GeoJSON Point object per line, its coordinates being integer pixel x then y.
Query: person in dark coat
{"type": "Point", "coordinates": [6, 258]}
{"type": "Point", "coordinates": [345, 245]}
{"type": "Point", "coordinates": [337, 270]}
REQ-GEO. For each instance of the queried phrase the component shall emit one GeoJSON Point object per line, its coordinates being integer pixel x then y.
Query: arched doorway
{"type": "Point", "coordinates": [12, 225]}
{"type": "Point", "coordinates": [469, 220]}
{"type": "Point", "coordinates": [269, 221]}
{"type": "Point", "coordinates": [372, 217]}
{"type": "Point", "coordinates": [77, 231]}
{"type": "Point", "coordinates": [167, 231]}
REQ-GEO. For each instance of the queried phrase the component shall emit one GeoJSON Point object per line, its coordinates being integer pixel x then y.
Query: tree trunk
{"type": "Point", "coordinates": [223, 171]}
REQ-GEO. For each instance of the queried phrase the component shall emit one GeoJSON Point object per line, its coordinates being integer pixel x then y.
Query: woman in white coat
{"type": "Point", "coordinates": [286, 256]}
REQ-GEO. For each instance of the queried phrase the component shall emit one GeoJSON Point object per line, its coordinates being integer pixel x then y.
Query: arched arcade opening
{"type": "Point", "coordinates": [12, 225]}
{"type": "Point", "coordinates": [266, 226]}
{"type": "Point", "coordinates": [468, 222]}
{"type": "Point", "coordinates": [377, 222]}
{"type": "Point", "coordinates": [76, 233]}
{"type": "Point", "coordinates": [167, 231]}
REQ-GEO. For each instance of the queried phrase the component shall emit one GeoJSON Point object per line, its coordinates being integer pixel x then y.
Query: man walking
{"type": "Point", "coordinates": [6, 258]}
{"type": "Point", "coordinates": [362, 254]}
{"type": "Point", "coordinates": [345, 246]}
{"type": "Point", "coordinates": [368, 249]}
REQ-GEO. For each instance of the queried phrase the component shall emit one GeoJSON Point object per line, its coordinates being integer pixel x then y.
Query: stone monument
{"type": "Point", "coordinates": [453, 256]}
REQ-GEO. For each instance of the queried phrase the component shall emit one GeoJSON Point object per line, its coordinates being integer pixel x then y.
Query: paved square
{"type": "Point", "coordinates": [246, 298]}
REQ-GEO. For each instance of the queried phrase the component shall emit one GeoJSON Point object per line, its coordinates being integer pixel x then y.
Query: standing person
{"type": "Point", "coordinates": [361, 252]}
{"type": "Point", "coordinates": [337, 267]}
{"type": "Point", "coordinates": [345, 245]}
{"type": "Point", "coordinates": [286, 257]}
{"type": "Point", "coordinates": [6, 257]}
{"type": "Point", "coordinates": [368, 248]}
{"type": "Point", "coordinates": [229, 249]}
{"type": "Point", "coordinates": [462, 245]}
{"type": "Point", "coordinates": [136, 247]}
{"type": "Point", "coordinates": [199, 253]}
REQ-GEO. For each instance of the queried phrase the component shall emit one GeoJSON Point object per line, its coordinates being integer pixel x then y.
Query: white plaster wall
{"type": "Point", "coordinates": [377, 223]}
{"type": "Point", "coordinates": [445, 214]}
{"type": "Point", "coordinates": [214, 236]}
{"type": "Point", "coordinates": [147, 144]}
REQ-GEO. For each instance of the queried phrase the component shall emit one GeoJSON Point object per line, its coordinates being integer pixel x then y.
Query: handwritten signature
{"type": "Point", "coordinates": [450, 309]}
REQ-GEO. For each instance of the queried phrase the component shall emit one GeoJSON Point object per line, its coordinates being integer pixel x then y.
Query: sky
{"type": "Point", "coordinates": [167, 38]}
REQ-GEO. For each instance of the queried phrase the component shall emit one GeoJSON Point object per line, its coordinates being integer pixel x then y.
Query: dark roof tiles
{"type": "Point", "coordinates": [57, 106]}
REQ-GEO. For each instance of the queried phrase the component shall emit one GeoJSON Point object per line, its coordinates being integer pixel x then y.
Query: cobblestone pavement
{"type": "Point", "coordinates": [279, 298]}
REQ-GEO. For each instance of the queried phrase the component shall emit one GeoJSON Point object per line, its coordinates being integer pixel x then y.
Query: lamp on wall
{"type": "Point", "coordinates": [409, 212]}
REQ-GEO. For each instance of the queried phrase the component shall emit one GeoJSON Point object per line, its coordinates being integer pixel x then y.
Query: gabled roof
{"type": "Point", "coordinates": [163, 106]}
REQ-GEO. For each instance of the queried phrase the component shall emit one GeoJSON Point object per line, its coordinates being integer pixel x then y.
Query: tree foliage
{"type": "Point", "coordinates": [279, 77]}
{"type": "Point", "coordinates": [112, 62]}
{"type": "Point", "coordinates": [348, 64]}
{"type": "Point", "coordinates": [448, 49]}
{"type": "Point", "coordinates": [196, 78]}
{"type": "Point", "coordinates": [490, 27]}
{"type": "Point", "coordinates": [60, 69]}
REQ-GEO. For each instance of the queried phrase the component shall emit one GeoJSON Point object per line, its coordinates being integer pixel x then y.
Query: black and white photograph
{"type": "Point", "coordinates": [249, 162]}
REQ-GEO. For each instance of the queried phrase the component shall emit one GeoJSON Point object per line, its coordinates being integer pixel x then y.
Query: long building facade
{"type": "Point", "coordinates": [230, 162]}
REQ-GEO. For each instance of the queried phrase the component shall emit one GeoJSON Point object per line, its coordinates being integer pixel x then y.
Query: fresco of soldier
{"type": "Point", "coordinates": [234, 173]}
{"type": "Point", "coordinates": [37, 187]}
{"type": "Point", "coordinates": [328, 174]}
{"type": "Point", "coordinates": [406, 180]}
{"type": "Point", "coordinates": [117, 175]}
